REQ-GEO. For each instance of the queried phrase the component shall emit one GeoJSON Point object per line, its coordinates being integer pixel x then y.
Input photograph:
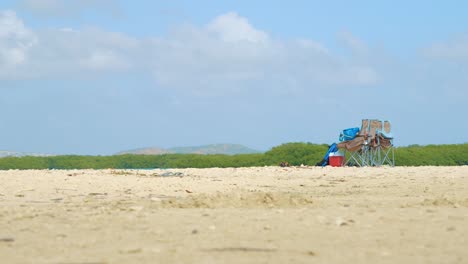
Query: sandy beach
{"type": "Point", "coordinates": [244, 215]}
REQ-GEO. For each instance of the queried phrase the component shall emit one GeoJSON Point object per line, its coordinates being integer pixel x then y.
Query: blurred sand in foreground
{"type": "Point", "coordinates": [244, 215]}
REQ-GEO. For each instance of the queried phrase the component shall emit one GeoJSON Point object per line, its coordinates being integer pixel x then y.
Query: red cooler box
{"type": "Point", "coordinates": [336, 160]}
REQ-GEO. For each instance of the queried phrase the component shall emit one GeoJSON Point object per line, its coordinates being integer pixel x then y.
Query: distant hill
{"type": "Point", "coordinates": [227, 149]}
{"type": "Point", "coordinates": [6, 153]}
{"type": "Point", "coordinates": [146, 151]}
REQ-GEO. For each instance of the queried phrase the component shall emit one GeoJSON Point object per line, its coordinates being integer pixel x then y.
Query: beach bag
{"type": "Point", "coordinates": [349, 134]}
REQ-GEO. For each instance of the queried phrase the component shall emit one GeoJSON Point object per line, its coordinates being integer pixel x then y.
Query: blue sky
{"type": "Point", "coordinates": [101, 76]}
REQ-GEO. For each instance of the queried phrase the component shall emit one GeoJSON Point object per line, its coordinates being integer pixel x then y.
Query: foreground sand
{"type": "Point", "coordinates": [245, 215]}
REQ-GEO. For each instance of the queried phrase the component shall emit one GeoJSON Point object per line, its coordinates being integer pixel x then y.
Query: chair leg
{"type": "Point", "coordinates": [389, 157]}
{"type": "Point", "coordinates": [370, 156]}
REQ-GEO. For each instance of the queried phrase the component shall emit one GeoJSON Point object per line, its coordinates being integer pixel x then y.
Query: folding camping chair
{"type": "Point", "coordinates": [356, 150]}
{"type": "Point", "coordinates": [385, 144]}
{"type": "Point", "coordinates": [373, 145]}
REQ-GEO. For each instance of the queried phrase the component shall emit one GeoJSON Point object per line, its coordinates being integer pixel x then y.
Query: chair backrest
{"type": "Point", "coordinates": [387, 128]}
{"type": "Point", "coordinates": [375, 125]}
{"type": "Point", "coordinates": [364, 128]}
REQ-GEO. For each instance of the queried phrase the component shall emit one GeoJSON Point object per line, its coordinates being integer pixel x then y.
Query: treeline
{"type": "Point", "coordinates": [293, 153]}
{"type": "Point", "coordinates": [436, 155]}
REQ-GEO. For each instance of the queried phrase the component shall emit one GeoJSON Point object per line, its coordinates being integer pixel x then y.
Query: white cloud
{"type": "Point", "coordinates": [58, 52]}
{"type": "Point", "coordinates": [15, 43]}
{"type": "Point", "coordinates": [356, 45]}
{"type": "Point", "coordinates": [312, 45]}
{"type": "Point", "coordinates": [231, 27]}
{"type": "Point", "coordinates": [229, 53]}
{"type": "Point", "coordinates": [44, 6]}
{"type": "Point", "coordinates": [446, 64]}
{"type": "Point", "coordinates": [63, 8]}
{"type": "Point", "coordinates": [455, 49]}
{"type": "Point", "coordinates": [226, 54]}
{"type": "Point", "coordinates": [104, 60]}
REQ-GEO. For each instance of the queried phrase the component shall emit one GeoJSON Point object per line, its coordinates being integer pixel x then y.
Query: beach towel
{"type": "Point", "coordinates": [324, 162]}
